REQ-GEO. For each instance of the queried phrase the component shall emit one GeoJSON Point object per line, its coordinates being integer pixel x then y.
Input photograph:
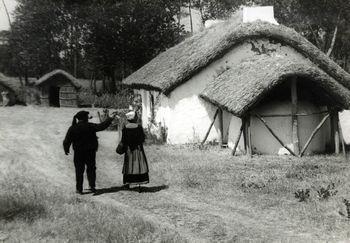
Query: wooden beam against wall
{"type": "Point", "coordinates": [335, 121]}
{"type": "Point", "coordinates": [244, 134]}
{"type": "Point", "coordinates": [313, 134]}
{"type": "Point", "coordinates": [237, 139]}
{"type": "Point", "coordinates": [211, 125]}
{"type": "Point", "coordinates": [273, 134]}
{"type": "Point", "coordinates": [249, 136]}
{"type": "Point", "coordinates": [294, 98]}
{"type": "Point", "coordinates": [221, 126]}
{"type": "Point", "coordinates": [342, 140]}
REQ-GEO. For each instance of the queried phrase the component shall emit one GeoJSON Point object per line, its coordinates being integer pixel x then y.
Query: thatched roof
{"type": "Point", "coordinates": [240, 88]}
{"type": "Point", "coordinates": [59, 72]}
{"type": "Point", "coordinates": [179, 63]}
{"type": "Point", "coordinates": [10, 83]}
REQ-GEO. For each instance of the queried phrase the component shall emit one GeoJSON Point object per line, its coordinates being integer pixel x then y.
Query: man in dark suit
{"type": "Point", "coordinates": [82, 135]}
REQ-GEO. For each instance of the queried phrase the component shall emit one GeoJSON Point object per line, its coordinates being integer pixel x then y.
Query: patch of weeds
{"type": "Point", "coordinates": [199, 178]}
{"type": "Point", "coordinates": [28, 211]}
{"type": "Point", "coordinates": [347, 205]}
{"type": "Point", "coordinates": [302, 194]}
{"type": "Point", "coordinates": [191, 181]}
{"type": "Point", "coordinates": [156, 133]}
{"type": "Point", "coordinates": [302, 171]}
{"type": "Point", "coordinates": [254, 182]}
{"type": "Point", "coordinates": [200, 146]}
{"type": "Point", "coordinates": [325, 193]}
{"type": "Point", "coordinates": [19, 201]}
{"type": "Point", "coordinates": [206, 146]}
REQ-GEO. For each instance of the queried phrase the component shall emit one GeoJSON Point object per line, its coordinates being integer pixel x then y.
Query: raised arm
{"type": "Point", "coordinates": [103, 125]}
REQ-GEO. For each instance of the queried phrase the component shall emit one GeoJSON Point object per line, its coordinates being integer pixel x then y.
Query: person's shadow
{"type": "Point", "coordinates": [141, 189]}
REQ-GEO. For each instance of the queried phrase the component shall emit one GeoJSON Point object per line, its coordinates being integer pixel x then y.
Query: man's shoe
{"type": "Point", "coordinates": [93, 190]}
{"type": "Point", "coordinates": [79, 192]}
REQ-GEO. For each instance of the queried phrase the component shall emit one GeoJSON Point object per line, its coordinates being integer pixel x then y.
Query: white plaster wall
{"type": "Point", "coordinates": [264, 143]}
{"type": "Point", "coordinates": [233, 133]}
{"type": "Point", "coordinates": [145, 106]}
{"type": "Point", "coordinates": [187, 116]}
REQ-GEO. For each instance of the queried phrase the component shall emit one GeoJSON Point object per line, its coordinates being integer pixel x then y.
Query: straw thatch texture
{"type": "Point", "coordinates": [178, 64]}
{"type": "Point", "coordinates": [240, 88]}
{"type": "Point", "coordinates": [49, 75]}
{"type": "Point", "coordinates": [10, 83]}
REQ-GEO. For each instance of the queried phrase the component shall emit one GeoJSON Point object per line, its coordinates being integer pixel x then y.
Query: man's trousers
{"type": "Point", "coordinates": [81, 159]}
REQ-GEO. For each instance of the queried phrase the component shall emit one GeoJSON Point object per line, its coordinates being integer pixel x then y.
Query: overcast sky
{"type": "Point", "coordinates": [11, 4]}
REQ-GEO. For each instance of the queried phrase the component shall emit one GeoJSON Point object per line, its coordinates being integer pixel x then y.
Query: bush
{"type": "Point", "coordinates": [28, 95]}
{"type": "Point", "coordinates": [120, 100]}
{"type": "Point", "coordinates": [156, 134]}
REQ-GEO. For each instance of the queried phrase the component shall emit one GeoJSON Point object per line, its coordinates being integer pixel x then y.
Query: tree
{"type": "Point", "coordinates": [124, 35]}
{"type": "Point", "coordinates": [36, 37]}
{"type": "Point", "coordinates": [109, 38]}
{"type": "Point", "coordinates": [6, 59]}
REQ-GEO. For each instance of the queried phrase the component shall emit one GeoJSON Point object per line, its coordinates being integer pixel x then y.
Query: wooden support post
{"type": "Point", "coordinates": [294, 96]}
{"type": "Point", "coordinates": [273, 134]}
{"type": "Point", "coordinates": [244, 121]}
{"type": "Point", "coordinates": [342, 140]}
{"type": "Point", "coordinates": [237, 139]}
{"type": "Point", "coordinates": [249, 137]}
{"type": "Point", "coordinates": [336, 132]}
{"type": "Point", "coordinates": [313, 134]}
{"type": "Point", "coordinates": [221, 126]}
{"type": "Point", "coordinates": [332, 145]}
{"type": "Point", "coordinates": [212, 123]}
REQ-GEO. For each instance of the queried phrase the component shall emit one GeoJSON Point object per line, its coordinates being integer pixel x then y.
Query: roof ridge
{"type": "Point", "coordinates": [70, 77]}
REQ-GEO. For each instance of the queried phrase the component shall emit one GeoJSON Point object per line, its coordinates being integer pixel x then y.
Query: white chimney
{"type": "Point", "coordinates": [251, 14]}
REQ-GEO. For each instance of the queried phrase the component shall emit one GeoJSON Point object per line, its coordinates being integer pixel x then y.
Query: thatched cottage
{"type": "Point", "coordinates": [263, 87]}
{"type": "Point", "coordinates": [59, 89]}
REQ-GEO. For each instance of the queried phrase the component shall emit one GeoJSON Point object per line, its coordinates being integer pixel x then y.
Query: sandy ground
{"type": "Point", "coordinates": [34, 135]}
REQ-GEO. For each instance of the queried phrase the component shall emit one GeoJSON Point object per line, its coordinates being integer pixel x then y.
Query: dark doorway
{"type": "Point", "coordinates": [54, 96]}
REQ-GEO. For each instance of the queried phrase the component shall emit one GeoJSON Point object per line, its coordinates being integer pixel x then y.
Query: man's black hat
{"type": "Point", "coordinates": [82, 115]}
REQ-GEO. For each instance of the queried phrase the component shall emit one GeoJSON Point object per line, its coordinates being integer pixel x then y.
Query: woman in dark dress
{"type": "Point", "coordinates": [135, 168]}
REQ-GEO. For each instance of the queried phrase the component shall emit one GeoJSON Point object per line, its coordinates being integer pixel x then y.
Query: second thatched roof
{"type": "Point", "coordinates": [75, 82]}
{"type": "Point", "coordinates": [10, 83]}
{"type": "Point", "coordinates": [240, 88]}
{"type": "Point", "coordinates": [178, 64]}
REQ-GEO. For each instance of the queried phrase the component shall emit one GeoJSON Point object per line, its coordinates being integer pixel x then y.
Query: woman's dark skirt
{"type": "Point", "coordinates": [135, 168]}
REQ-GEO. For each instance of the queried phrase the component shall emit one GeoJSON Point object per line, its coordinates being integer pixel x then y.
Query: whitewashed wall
{"type": "Point", "coordinates": [264, 143]}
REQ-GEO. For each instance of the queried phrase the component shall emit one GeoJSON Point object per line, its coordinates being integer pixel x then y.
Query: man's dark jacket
{"type": "Point", "coordinates": [83, 135]}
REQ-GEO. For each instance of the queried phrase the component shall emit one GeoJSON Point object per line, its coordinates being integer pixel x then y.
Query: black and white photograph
{"type": "Point", "coordinates": [174, 121]}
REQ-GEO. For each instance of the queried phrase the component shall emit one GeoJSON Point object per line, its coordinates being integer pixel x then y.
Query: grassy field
{"type": "Point", "coordinates": [194, 195]}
